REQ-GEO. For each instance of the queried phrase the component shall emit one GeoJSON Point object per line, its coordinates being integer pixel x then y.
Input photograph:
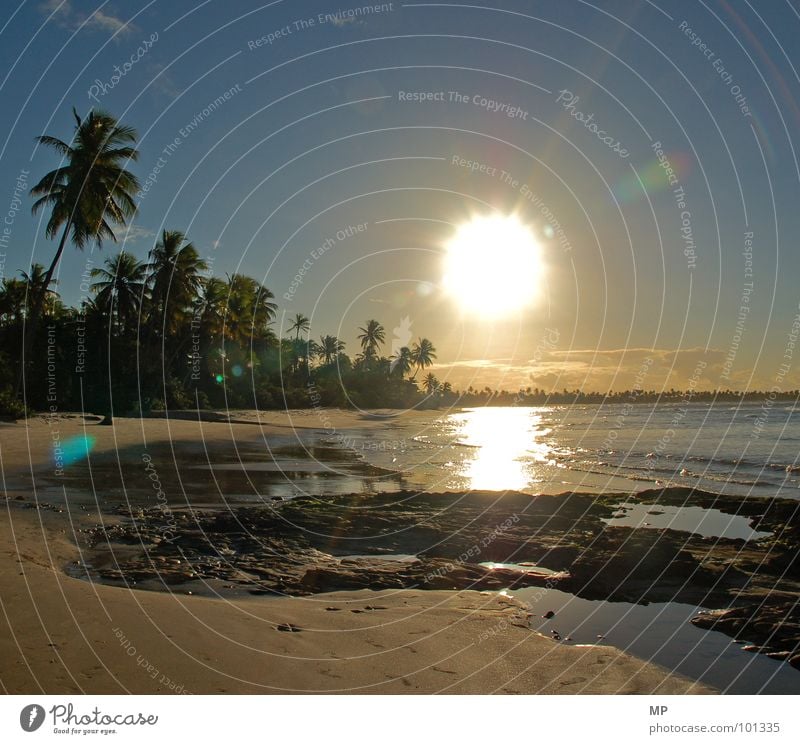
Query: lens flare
{"type": "Point", "coordinates": [653, 177]}
{"type": "Point", "coordinates": [72, 450]}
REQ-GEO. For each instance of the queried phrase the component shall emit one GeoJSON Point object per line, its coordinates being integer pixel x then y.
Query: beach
{"type": "Point", "coordinates": [66, 633]}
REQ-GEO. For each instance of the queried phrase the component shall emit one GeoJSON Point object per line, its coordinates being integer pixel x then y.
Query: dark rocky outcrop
{"type": "Point", "coordinates": [440, 541]}
{"type": "Point", "coordinates": [772, 626]}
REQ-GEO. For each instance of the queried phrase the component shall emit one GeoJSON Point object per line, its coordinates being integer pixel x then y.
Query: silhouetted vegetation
{"type": "Point", "coordinates": [165, 334]}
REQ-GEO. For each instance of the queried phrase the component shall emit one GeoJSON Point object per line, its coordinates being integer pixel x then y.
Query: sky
{"type": "Point", "coordinates": [642, 143]}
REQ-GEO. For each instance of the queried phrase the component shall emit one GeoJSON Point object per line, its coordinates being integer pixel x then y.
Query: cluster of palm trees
{"type": "Point", "coordinates": [420, 355]}
{"type": "Point", "coordinates": [165, 331]}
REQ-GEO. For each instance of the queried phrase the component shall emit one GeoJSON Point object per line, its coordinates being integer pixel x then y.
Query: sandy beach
{"type": "Point", "coordinates": [64, 634]}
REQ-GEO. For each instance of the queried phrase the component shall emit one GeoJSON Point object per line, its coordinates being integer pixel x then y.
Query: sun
{"type": "Point", "coordinates": [493, 265]}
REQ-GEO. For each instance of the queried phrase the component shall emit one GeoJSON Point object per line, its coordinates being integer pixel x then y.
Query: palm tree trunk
{"type": "Point", "coordinates": [48, 277]}
{"type": "Point", "coordinates": [37, 307]}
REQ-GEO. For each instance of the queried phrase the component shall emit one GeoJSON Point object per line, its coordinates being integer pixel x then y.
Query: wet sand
{"type": "Point", "coordinates": [63, 634]}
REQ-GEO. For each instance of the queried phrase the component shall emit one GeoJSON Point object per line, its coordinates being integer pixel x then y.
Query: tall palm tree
{"type": "Point", "coordinates": [120, 287]}
{"type": "Point", "coordinates": [423, 354]}
{"type": "Point", "coordinates": [176, 276]}
{"type": "Point", "coordinates": [329, 348]}
{"type": "Point", "coordinates": [91, 191]}
{"type": "Point", "coordinates": [300, 325]}
{"type": "Point", "coordinates": [372, 336]}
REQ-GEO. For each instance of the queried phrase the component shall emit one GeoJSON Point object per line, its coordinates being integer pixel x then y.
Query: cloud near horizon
{"type": "Point", "coordinates": [599, 370]}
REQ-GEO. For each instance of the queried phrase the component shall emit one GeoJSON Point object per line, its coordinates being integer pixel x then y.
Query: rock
{"type": "Point", "coordinates": [288, 628]}
{"type": "Point", "coordinates": [290, 550]}
{"type": "Point", "coordinates": [779, 655]}
{"type": "Point", "coordinates": [635, 566]}
{"type": "Point", "coordinates": [547, 615]}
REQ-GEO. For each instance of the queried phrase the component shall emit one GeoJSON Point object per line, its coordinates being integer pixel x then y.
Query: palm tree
{"type": "Point", "coordinates": [402, 362]}
{"type": "Point", "coordinates": [294, 354]}
{"type": "Point", "coordinates": [329, 348]}
{"type": "Point", "coordinates": [248, 312]}
{"type": "Point", "coordinates": [423, 354]}
{"type": "Point", "coordinates": [121, 287]}
{"type": "Point", "coordinates": [312, 350]}
{"type": "Point", "coordinates": [371, 337]}
{"type": "Point", "coordinates": [264, 310]}
{"type": "Point", "coordinates": [34, 286]}
{"type": "Point", "coordinates": [300, 325]}
{"type": "Point", "coordinates": [120, 290]}
{"type": "Point", "coordinates": [211, 307]}
{"type": "Point", "coordinates": [431, 383]}
{"type": "Point", "coordinates": [13, 300]}
{"type": "Point", "coordinates": [89, 193]}
{"type": "Point", "coordinates": [92, 191]}
{"type": "Point", "coordinates": [176, 276]}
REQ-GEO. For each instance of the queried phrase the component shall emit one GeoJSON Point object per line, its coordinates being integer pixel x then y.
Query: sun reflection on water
{"type": "Point", "coordinates": [508, 443]}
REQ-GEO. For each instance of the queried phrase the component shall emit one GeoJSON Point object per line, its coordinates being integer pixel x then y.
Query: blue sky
{"type": "Point", "coordinates": [312, 138]}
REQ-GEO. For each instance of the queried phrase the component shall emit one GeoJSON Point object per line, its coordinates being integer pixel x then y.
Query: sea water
{"type": "Point", "coordinates": [721, 448]}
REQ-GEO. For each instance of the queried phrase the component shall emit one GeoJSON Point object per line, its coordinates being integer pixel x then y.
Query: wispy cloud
{"type": "Point", "coordinates": [132, 234]}
{"type": "Point", "coordinates": [342, 22]}
{"type": "Point", "coordinates": [64, 13]}
{"type": "Point", "coordinates": [161, 80]}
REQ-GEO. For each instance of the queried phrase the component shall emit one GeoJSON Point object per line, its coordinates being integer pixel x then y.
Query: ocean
{"type": "Point", "coordinates": [744, 450]}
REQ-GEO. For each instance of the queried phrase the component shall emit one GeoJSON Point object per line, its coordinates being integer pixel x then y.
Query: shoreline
{"type": "Point", "coordinates": [64, 635]}
{"type": "Point", "coordinates": [489, 644]}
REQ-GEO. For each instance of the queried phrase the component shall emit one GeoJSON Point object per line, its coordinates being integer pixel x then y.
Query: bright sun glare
{"type": "Point", "coordinates": [493, 265]}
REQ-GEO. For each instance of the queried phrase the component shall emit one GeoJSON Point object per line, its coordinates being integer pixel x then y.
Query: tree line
{"type": "Point", "coordinates": [165, 333]}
